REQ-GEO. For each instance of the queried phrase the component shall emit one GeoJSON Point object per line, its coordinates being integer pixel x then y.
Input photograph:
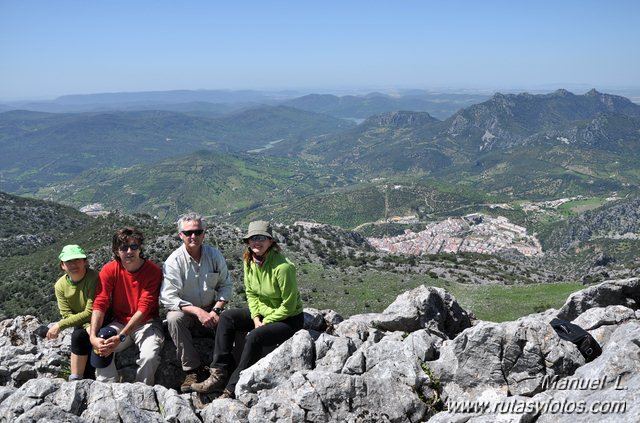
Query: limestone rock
{"type": "Point", "coordinates": [225, 411]}
{"type": "Point", "coordinates": [297, 353]}
{"type": "Point", "coordinates": [617, 398]}
{"type": "Point", "coordinates": [625, 292]}
{"type": "Point", "coordinates": [29, 396]}
{"type": "Point", "coordinates": [48, 412]}
{"type": "Point", "coordinates": [507, 358]}
{"type": "Point", "coordinates": [419, 356]}
{"type": "Point", "coordinates": [332, 352]}
{"type": "Point", "coordinates": [175, 407]}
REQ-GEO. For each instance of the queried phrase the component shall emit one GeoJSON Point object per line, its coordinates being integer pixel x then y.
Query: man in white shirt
{"type": "Point", "coordinates": [195, 289]}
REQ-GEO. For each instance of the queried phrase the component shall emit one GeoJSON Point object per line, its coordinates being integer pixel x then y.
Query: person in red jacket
{"type": "Point", "coordinates": [129, 287]}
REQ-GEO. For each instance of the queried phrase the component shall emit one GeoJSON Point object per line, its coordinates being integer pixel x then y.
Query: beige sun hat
{"type": "Point", "coordinates": [258, 227]}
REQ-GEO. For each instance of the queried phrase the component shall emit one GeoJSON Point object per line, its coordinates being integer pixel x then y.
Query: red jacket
{"type": "Point", "coordinates": [128, 291]}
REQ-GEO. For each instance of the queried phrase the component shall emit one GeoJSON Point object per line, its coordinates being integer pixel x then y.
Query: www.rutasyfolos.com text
{"type": "Point", "coordinates": [535, 407]}
{"type": "Point", "coordinates": [522, 405]}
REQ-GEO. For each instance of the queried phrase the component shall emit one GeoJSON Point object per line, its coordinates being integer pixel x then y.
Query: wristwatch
{"type": "Point", "coordinates": [123, 337]}
{"type": "Point", "coordinates": [218, 310]}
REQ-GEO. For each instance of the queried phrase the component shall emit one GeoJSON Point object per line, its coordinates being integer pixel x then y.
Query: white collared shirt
{"type": "Point", "coordinates": [187, 282]}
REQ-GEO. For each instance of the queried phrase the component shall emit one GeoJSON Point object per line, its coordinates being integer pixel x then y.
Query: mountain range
{"type": "Point", "coordinates": [502, 123]}
{"type": "Point", "coordinates": [40, 148]}
{"type": "Point", "coordinates": [282, 161]}
{"type": "Point", "coordinates": [220, 102]}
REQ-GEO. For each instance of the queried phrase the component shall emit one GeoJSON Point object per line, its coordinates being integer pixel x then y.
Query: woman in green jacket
{"type": "Point", "coordinates": [74, 292]}
{"type": "Point", "coordinates": [273, 316]}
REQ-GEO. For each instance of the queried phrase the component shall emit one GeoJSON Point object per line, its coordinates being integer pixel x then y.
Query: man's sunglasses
{"type": "Point", "coordinates": [124, 247]}
{"type": "Point", "coordinates": [198, 232]}
{"type": "Point", "coordinates": [259, 238]}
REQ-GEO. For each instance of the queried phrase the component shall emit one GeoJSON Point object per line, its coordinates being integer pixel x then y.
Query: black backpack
{"type": "Point", "coordinates": [588, 346]}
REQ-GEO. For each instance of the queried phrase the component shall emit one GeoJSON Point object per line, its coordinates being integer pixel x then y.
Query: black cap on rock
{"type": "Point", "coordinates": [101, 362]}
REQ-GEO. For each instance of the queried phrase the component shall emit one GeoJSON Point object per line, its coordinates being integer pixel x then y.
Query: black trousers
{"type": "Point", "coordinates": [80, 345]}
{"type": "Point", "coordinates": [239, 320]}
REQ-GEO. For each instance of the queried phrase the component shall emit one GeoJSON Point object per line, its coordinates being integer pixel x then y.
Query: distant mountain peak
{"type": "Point", "coordinates": [562, 93]}
{"type": "Point", "coordinates": [614, 103]}
{"type": "Point", "coordinates": [499, 96]}
{"type": "Point", "coordinates": [592, 93]}
{"type": "Point", "coordinates": [401, 119]}
{"type": "Point", "coordinates": [376, 94]}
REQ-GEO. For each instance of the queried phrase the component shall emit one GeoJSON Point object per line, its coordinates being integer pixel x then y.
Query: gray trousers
{"type": "Point", "coordinates": [181, 326]}
{"type": "Point", "coordinates": [149, 338]}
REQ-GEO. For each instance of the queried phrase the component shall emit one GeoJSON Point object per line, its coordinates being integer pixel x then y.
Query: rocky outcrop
{"type": "Point", "coordinates": [26, 354]}
{"type": "Point", "coordinates": [402, 119]}
{"type": "Point", "coordinates": [509, 359]}
{"type": "Point", "coordinates": [421, 359]}
{"type": "Point", "coordinates": [624, 292]}
{"type": "Point", "coordinates": [522, 372]}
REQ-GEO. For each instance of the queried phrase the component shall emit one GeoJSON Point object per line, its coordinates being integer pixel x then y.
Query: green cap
{"type": "Point", "coordinates": [72, 252]}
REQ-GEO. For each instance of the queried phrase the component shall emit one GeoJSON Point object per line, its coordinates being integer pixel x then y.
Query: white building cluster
{"type": "Point", "coordinates": [474, 233]}
{"type": "Point", "coordinates": [95, 209]}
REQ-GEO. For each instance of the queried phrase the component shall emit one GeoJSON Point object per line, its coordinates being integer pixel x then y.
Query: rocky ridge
{"type": "Point", "coordinates": [509, 120]}
{"type": "Point", "coordinates": [422, 359]}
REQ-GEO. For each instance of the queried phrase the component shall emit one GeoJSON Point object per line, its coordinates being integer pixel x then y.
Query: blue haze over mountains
{"type": "Point", "coordinates": [551, 138]}
{"type": "Point", "coordinates": [218, 102]}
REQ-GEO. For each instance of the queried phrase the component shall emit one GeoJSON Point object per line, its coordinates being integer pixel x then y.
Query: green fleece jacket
{"type": "Point", "coordinates": [272, 290]}
{"type": "Point", "coordinates": [75, 300]}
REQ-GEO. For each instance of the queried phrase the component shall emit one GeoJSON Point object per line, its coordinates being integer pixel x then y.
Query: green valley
{"type": "Point", "coordinates": [557, 170]}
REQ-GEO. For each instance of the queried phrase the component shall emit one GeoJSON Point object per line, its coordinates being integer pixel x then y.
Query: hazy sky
{"type": "Point", "coordinates": [55, 47]}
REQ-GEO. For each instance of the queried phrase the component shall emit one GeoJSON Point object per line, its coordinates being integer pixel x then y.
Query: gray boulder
{"type": "Point", "coordinates": [125, 402]}
{"type": "Point", "coordinates": [6, 392]}
{"type": "Point", "coordinates": [419, 308]}
{"type": "Point", "coordinates": [388, 384]}
{"type": "Point", "coordinates": [425, 307]}
{"type": "Point", "coordinates": [48, 412]}
{"type": "Point", "coordinates": [606, 389]}
{"type": "Point", "coordinates": [425, 343]}
{"type": "Point", "coordinates": [23, 353]}
{"type": "Point", "coordinates": [30, 395]}
{"type": "Point", "coordinates": [175, 407]}
{"type": "Point", "coordinates": [72, 397]}
{"type": "Point", "coordinates": [504, 359]}
{"type": "Point", "coordinates": [297, 353]}
{"type": "Point", "coordinates": [332, 352]}
{"type": "Point", "coordinates": [625, 292]}
{"type": "Point", "coordinates": [225, 411]}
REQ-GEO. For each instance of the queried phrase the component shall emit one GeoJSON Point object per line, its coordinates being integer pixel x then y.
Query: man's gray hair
{"type": "Point", "coordinates": [191, 217]}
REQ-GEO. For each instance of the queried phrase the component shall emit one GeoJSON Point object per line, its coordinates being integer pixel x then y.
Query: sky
{"type": "Point", "coordinates": [50, 48]}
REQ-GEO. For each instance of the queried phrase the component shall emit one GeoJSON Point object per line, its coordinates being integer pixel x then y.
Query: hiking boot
{"type": "Point", "coordinates": [194, 376]}
{"type": "Point", "coordinates": [227, 394]}
{"type": "Point", "coordinates": [189, 379]}
{"type": "Point", "coordinates": [215, 382]}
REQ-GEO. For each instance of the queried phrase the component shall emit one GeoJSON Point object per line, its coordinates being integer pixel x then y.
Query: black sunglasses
{"type": "Point", "coordinates": [259, 238]}
{"type": "Point", "coordinates": [198, 232]}
{"type": "Point", "coordinates": [124, 247]}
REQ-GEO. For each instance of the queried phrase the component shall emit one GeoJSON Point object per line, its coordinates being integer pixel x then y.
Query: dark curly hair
{"type": "Point", "coordinates": [122, 236]}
